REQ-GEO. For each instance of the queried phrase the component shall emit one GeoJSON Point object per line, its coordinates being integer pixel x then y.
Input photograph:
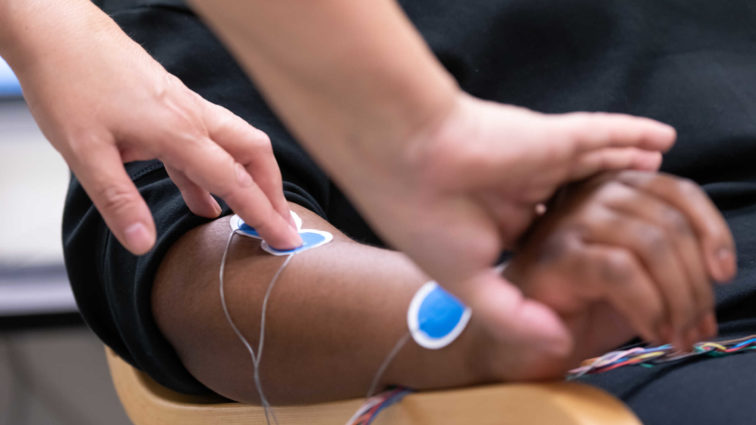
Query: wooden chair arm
{"type": "Point", "coordinates": [148, 403]}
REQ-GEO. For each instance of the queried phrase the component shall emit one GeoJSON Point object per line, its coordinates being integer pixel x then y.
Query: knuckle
{"type": "Point", "coordinates": [653, 240]}
{"type": "Point", "coordinates": [79, 144]}
{"type": "Point", "coordinates": [231, 193]}
{"type": "Point", "coordinates": [557, 247]}
{"type": "Point", "coordinates": [256, 145]}
{"type": "Point", "coordinates": [611, 192]}
{"type": "Point", "coordinates": [116, 198]}
{"type": "Point", "coordinates": [616, 266]}
{"type": "Point", "coordinates": [259, 136]}
{"type": "Point", "coordinates": [262, 143]}
{"type": "Point", "coordinates": [688, 188]}
{"type": "Point", "coordinates": [224, 120]}
{"type": "Point", "coordinates": [172, 82]}
{"type": "Point", "coordinates": [166, 86]}
{"type": "Point", "coordinates": [675, 221]}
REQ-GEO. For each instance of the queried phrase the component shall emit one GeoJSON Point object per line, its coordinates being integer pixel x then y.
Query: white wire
{"type": "Point", "coordinates": [267, 408]}
{"type": "Point", "coordinates": [386, 362]}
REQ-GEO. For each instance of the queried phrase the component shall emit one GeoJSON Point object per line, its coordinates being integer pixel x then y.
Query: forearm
{"type": "Point", "coordinates": [32, 31]}
{"type": "Point", "coordinates": [334, 315]}
{"type": "Point", "coordinates": [351, 79]}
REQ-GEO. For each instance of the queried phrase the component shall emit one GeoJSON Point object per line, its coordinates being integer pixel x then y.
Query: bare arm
{"type": "Point", "coordinates": [338, 310]}
{"type": "Point", "coordinates": [333, 317]}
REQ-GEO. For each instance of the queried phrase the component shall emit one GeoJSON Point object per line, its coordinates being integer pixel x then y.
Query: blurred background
{"type": "Point", "coordinates": [52, 368]}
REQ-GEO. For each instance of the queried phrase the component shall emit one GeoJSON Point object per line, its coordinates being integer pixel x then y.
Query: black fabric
{"type": "Point", "coordinates": [690, 63]}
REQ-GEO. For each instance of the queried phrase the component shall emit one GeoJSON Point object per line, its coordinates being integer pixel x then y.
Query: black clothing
{"type": "Point", "coordinates": [690, 63]}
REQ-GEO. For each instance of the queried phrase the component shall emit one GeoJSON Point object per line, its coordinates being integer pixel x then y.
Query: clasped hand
{"type": "Point", "coordinates": [616, 256]}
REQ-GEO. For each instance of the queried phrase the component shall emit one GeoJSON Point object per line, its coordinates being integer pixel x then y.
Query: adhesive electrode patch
{"type": "Point", "coordinates": [435, 317]}
{"type": "Point", "coordinates": [310, 238]}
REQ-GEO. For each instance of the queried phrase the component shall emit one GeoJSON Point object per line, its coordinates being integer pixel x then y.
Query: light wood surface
{"type": "Point", "coordinates": [562, 403]}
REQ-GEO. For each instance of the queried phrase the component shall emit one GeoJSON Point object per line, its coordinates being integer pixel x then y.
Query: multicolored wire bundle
{"type": "Point", "coordinates": [373, 405]}
{"type": "Point", "coordinates": [651, 356]}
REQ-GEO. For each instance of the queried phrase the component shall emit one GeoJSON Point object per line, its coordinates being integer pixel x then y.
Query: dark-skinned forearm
{"type": "Point", "coordinates": [333, 317]}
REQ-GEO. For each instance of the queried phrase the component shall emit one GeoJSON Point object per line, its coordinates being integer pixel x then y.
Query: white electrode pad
{"type": "Point", "coordinates": [435, 317]}
{"type": "Point", "coordinates": [310, 238]}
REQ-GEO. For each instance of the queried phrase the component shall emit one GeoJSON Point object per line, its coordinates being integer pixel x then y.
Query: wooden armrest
{"type": "Point", "coordinates": [148, 403]}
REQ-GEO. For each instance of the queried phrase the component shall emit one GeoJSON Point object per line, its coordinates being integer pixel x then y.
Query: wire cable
{"type": "Point", "coordinates": [256, 358]}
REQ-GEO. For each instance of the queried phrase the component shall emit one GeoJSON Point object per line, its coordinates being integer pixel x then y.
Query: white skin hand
{"type": "Point", "coordinates": [101, 100]}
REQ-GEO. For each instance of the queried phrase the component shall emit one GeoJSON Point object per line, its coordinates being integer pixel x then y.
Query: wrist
{"type": "Point", "coordinates": [391, 152]}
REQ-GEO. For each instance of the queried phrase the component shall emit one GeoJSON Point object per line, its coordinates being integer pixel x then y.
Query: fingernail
{"type": "Point", "coordinates": [242, 176]}
{"type": "Point", "coordinates": [138, 239]}
{"type": "Point", "coordinates": [217, 210]}
{"type": "Point", "coordinates": [295, 240]}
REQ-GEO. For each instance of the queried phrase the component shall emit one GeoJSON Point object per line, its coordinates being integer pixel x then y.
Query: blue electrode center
{"type": "Point", "coordinates": [439, 313]}
{"type": "Point", "coordinates": [435, 317]}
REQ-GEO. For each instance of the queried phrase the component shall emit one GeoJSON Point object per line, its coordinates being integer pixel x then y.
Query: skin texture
{"type": "Point", "coordinates": [101, 100]}
{"type": "Point", "coordinates": [357, 85]}
{"type": "Point", "coordinates": [336, 311]}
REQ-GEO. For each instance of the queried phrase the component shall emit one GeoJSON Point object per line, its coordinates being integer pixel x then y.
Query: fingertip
{"type": "Point", "coordinates": [208, 207]}
{"type": "Point", "coordinates": [667, 132]}
{"type": "Point", "coordinates": [658, 135]}
{"type": "Point", "coordinates": [295, 240]}
{"type": "Point", "coordinates": [285, 240]}
{"type": "Point", "coordinates": [724, 265]}
{"type": "Point", "coordinates": [138, 238]}
{"type": "Point", "coordinates": [216, 207]}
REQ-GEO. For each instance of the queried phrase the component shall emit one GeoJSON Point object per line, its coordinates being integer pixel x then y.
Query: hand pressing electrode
{"type": "Point", "coordinates": [101, 100]}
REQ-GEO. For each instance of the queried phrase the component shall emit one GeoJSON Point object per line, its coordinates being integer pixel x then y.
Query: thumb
{"type": "Point", "coordinates": [517, 319]}
{"type": "Point", "coordinates": [105, 180]}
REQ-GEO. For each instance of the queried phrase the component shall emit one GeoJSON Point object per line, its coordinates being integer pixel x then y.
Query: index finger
{"type": "Point", "coordinates": [590, 131]}
{"type": "Point", "coordinates": [251, 148]}
{"type": "Point", "coordinates": [212, 168]}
